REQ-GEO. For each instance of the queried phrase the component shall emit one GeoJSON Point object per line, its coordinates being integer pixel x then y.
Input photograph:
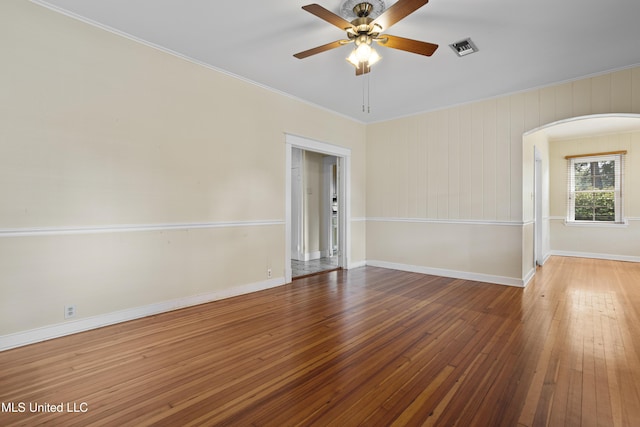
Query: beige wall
{"type": "Point", "coordinates": [466, 165]}
{"type": "Point", "coordinates": [110, 150]}
{"type": "Point", "coordinates": [621, 242]}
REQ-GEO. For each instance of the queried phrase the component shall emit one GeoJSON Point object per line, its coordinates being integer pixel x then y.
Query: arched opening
{"type": "Point", "coordinates": [545, 192]}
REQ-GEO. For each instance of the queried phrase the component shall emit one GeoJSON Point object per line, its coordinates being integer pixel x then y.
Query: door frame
{"type": "Point", "coordinates": [343, 155]}
{"type": "Point", "coordinates": [297, 220]}
{"type": "Point", "coordinates": [326, 227]}
{"type": "Point", "coordinates": [538, 197]}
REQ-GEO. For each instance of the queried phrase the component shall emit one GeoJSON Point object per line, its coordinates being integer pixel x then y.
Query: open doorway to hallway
{"type": "Point", "coordinates": [314, 213]}
{"type": "Point", "coordinates": [333, 172]}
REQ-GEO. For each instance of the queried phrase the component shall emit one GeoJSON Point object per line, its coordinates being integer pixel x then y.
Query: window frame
{"type": "Point", "coordinates": [618, 159]}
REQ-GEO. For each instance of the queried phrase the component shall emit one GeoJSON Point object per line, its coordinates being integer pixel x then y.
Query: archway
{"type": "Point", "coordinates": [539, 218]}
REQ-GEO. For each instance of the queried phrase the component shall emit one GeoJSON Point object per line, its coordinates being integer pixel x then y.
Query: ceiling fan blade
{"type": "Point", "coordinates": [319, 49]}
{"type": "Point", "coordinates": [327, 15]}
{"type": "Point", "coordinates": [409, 45]}
{"type": "Point", "coordinates": [398, 11]}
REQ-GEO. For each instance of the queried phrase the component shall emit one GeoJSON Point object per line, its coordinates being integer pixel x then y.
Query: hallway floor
{"type": "Point", "coordinates": [304, 268]}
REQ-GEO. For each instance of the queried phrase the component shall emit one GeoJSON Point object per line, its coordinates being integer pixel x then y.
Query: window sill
{"type": "Point", "coordinates": [622, 224]}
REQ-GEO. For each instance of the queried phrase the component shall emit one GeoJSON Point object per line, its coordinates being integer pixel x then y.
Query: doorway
{"type": "Point", "coordinates": [314, 212]}
{"type": "Point", "coordinates": [317, 210]}
{"type": "Point", "coordinates": [545, 196]}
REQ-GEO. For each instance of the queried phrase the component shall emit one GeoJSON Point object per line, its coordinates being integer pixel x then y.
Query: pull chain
{"type": "Point", "coordinates": [368, 94]}
{"type": "Point", "coordinates": [363, 95]}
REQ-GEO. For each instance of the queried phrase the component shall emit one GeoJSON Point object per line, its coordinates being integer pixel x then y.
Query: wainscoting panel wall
{"type": "Point", "coordinates": [466, 163]}
{"type": "Point", "coordinates": [132, 179]}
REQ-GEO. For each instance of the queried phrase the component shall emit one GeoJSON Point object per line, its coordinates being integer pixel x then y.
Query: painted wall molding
{"type": "Point", "coordinates": [46, 231]}
{"type": "Point", "coordinates": [182, 56]}
{"type": "Point", "coordinates": [528, 277]}
{"type": "Point", "coordinates": [610, 257]}
{"type": "Point", "coordinates": [446, 221]}
{"type": "Point", "coordinates": [310, 256]}
{"type": "Point", "coordinates": [357, 264]}
{"type": "Point", "coordinates": [563, 218]}
{"type": "Point", "coordinates": [80, 325]}
{"type": "Point", "coordinates": [479, 277]}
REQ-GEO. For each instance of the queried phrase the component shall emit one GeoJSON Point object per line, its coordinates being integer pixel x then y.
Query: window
{"type": "Point", "coordinates": [595, 188]}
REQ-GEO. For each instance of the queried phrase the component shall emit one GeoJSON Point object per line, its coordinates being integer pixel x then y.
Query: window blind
{"type": "Point", "coordinates": [595, 183]}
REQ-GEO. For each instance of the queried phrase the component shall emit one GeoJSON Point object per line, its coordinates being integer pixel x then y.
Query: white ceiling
{"type": "Point", "coordinates": [522, 44]}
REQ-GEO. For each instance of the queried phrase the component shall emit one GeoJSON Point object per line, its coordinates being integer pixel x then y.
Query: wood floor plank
{"type": "Point", "coordinates": [368, 346]}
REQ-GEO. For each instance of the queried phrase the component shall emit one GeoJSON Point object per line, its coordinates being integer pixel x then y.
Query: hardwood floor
{"type": "Point", "coordinates": [363, 347]}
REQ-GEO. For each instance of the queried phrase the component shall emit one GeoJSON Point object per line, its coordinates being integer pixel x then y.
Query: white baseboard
{"type": "Point", "coordinates": [611, 257]}
{"type": "Point", "coordinates": [546, 258]}
{"type": "Point", "coordinates": [80, 325]}
{"type": "Point", "coordinates": [499, 280]}
{"type": "Point", "coordinates": [357, 265]}
{"type": "Point", "coordinates": [528, 277]}
{"type": "Point", "coordinates": [310, 256]}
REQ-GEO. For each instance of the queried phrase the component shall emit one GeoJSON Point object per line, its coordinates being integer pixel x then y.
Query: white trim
{"type": "Point", "coordinates": [309, 256]}
{"type": "Point", "coordinates": [602, 224]}
{"type": "Point", "coordinates": [317, 146]}
{"type": "Point", "coordinates": [587, 117]}
{"type": "Point", "coordinates": [563, 219]}
{"type": "Point", "coordinates": [358, 219]}
{"type": "Point", "coordinates": [611, 257]}
{"type": "Point", "coordinates": [357, 265]}
{"type": "Point", "coordinates": [618, 161]}
{"type": "Point", "coordinates": [48, 231]}
{"type": "Point", "coordinates": [344, 194]}
{"type": "Point", "coordinates": [480, 277]}
{"type": "Point", "coordinates": [447, 221]}
{"type": "Point", "coordinates": [131, 37]}
{"type": "Point", "coordinates": [288, 156]}
{"type": "Point", "coordinates": [163, 49]}
{"type": "Point", "coordinates": [546, 258]}
{"type": "Point", "coordinates": [80, 325]}
{"type": "Point", "coordinates": [528, 277]}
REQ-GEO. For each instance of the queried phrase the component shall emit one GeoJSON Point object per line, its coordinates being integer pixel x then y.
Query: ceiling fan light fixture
{"type": "Point", "coordinates": [353, 59]}
{"type": "Point", "coordinates": [363, 54]}
{"type": "Point", "coordinates": [374, 57]}
{"type": "Point", "coordinates": [366, 28]}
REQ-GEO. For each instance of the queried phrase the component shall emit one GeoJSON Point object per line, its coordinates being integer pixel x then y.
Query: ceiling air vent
{"type": "Point", "coordinates": [464, 47]}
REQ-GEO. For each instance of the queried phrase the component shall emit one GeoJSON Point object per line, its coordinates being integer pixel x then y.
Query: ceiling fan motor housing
{"type": "Point", "coordinates": [362, 9]}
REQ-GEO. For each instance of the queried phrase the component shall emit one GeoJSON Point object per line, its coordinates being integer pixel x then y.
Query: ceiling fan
{"type": "Point", "coordinates": [364, 30]}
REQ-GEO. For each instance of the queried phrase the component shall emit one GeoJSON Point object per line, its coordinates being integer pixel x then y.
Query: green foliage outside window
{"type": "Point", "coordinates": [595, 191]}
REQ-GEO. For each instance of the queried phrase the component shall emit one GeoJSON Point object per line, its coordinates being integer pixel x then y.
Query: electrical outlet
{"type": "Point", "coordinates": [268, 273]}
{"type": "Point", "coordinates": [69, 311]}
